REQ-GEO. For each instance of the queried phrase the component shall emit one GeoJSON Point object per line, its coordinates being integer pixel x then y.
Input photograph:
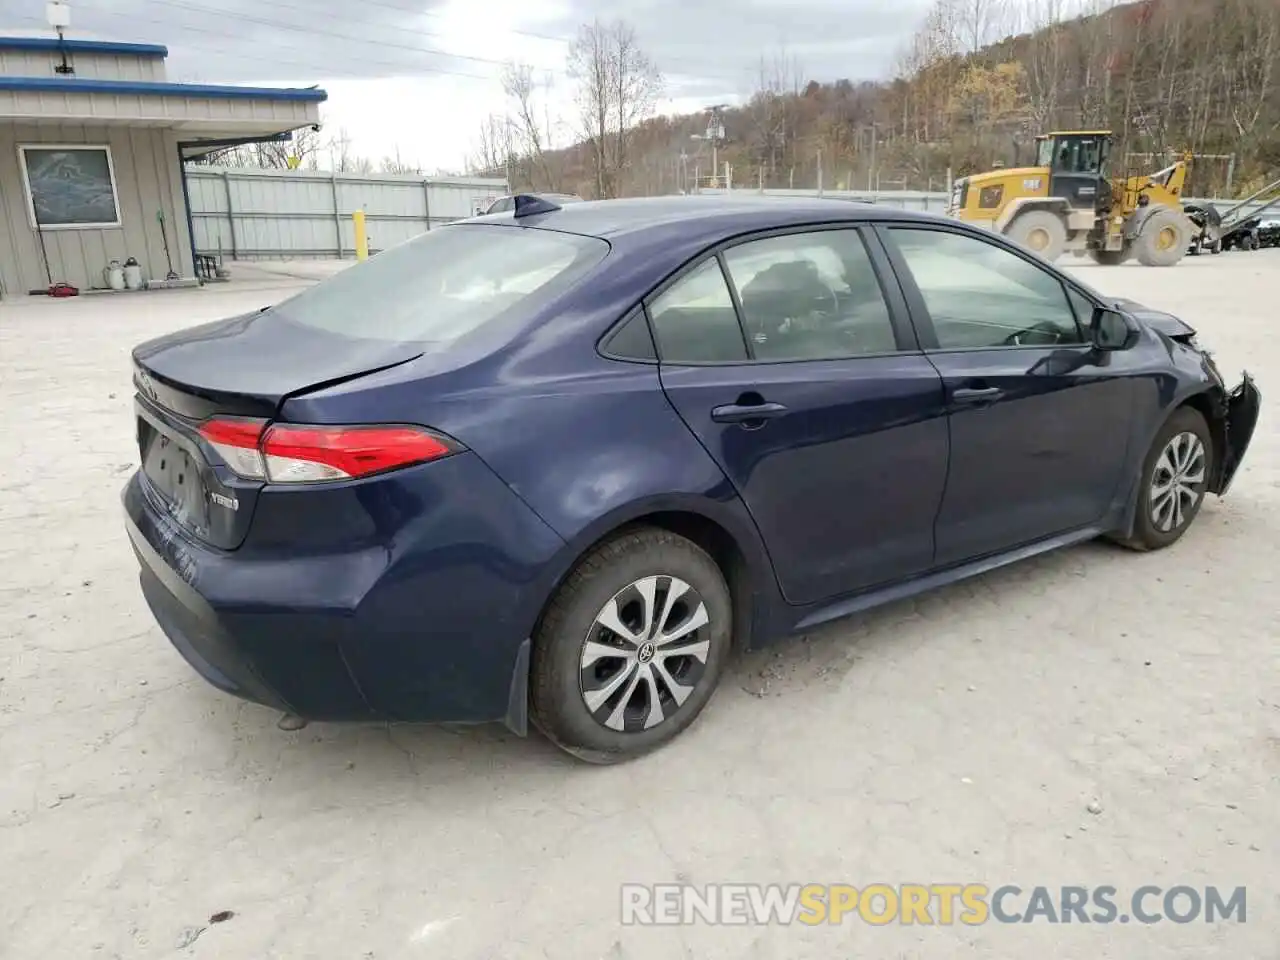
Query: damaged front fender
{"type": "Point", "coordinates": [1239, 418]}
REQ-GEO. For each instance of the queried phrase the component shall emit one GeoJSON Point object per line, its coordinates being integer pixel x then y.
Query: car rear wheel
{"type": "Point", "coordinates": [1174, 481]}
{"type": "Point", "coordinates": [631, 647]}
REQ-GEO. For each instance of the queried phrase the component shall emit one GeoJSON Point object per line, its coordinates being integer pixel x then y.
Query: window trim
{"type": "Point", "coordinates": [29, 194]}
{"type": "Point", "coordinates": [919, 311]}
{"type": "Point", "coordinates": [904, 332]}
{"type": "Point", "coordinates": [689, 268]}
{"type": "Point", "coordinates": [638, 312]}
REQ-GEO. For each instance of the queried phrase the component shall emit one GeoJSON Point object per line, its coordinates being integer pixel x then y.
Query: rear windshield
{"type": "Point", "coordinates": [445, 284]}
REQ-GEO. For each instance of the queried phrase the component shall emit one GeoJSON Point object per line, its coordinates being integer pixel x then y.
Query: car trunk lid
{"type": "Point", "coordinates": [239, 367]}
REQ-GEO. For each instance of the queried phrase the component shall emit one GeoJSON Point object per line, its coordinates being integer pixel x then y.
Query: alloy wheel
{"type": "Point", "coordinates": [644, 653]}
{"type": "Point", "coordinates": [1177, 483]}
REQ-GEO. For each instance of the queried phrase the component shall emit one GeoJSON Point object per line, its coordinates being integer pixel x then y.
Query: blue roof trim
{"type": "Point", "coordinates": [83, 46]}
{"type": "Point", "coordinates": [143, 88]}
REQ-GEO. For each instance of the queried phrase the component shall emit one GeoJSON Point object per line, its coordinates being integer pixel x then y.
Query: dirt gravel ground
{"type": "Point", "coordinates": [963, 737]}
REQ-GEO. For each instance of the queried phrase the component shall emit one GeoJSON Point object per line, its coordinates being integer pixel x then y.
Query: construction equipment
{"type": "Point", "coordinates": [1069, 202]}
{"type": "Point", "coordinates": [1235, 228]}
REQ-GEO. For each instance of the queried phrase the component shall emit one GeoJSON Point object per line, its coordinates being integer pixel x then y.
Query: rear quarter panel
{"type": "Point", "coordinates": [589, 455]}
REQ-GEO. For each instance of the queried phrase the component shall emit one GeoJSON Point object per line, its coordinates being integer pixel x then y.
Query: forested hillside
{"type": "Point", "coordinates": [978, 80]}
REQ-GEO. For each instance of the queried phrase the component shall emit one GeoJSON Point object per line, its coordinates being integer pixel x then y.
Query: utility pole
{"type": "Point", "coordinates": [819, 171]}
{"type": "Point", "coordinates": [871, 171]}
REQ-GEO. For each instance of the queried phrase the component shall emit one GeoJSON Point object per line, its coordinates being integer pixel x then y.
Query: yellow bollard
{"type": "Point", "coordinates": [362, 235]}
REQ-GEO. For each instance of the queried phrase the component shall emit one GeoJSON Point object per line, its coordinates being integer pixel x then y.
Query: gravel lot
{"type": "Point", "coordinates": [958, 738]}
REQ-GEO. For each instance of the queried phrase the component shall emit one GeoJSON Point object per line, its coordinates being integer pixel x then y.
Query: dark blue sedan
{"type": "Point", "coordinates": [557, 464]}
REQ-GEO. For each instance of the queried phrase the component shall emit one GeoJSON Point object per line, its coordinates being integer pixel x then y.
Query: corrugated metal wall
{"type": "Point", "coordinates": [88, 66]}
{"type": "Point", "coordinates": [264, 214]}
{"type": "Point", "coordinates": [148, 179]}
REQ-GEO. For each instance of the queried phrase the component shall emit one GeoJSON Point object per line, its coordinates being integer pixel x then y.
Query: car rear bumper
{"type": "Point", "coordinates": [409, 597]}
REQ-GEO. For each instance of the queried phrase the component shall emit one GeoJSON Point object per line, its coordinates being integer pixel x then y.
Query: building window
{"type": "Point", "coordinates": [70, 187]}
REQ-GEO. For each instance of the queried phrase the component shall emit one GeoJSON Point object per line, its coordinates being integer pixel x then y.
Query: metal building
{"type": "Point", "coordinates": [92, 143]}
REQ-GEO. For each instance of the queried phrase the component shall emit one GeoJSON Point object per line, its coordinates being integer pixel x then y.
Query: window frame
{"type": "Point", "coordinates": [29, 195]}
{"type": "Point", "coordinates": [635, 314]}
{"type": "Point", "coordinates": [904, 332]}
{"type": "Point", "coordinates": [919, 311]}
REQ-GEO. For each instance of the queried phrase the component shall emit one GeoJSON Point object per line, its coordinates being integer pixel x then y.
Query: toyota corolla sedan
{"type": "Point", "coordinates": [557, 465]}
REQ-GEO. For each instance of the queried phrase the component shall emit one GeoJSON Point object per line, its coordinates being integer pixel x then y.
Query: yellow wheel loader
{"type": "Point", "coordinates": [1069, 202]}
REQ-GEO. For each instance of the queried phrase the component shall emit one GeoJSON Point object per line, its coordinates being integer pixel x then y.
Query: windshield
{"type": "Point", "coordinates": [445, 284]}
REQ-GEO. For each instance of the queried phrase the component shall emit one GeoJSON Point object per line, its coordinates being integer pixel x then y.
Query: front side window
{"type": "Point", "coordinates": [694, 319]}
{"type": "Point", "coordinates": [980, 295]}
{"type": "Point", "coordinates": [810, 296]}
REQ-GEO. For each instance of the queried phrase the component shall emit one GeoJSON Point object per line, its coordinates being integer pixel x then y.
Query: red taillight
{"type": "Point", "coordinates": [288, 453]}
{"type": "Point", "coordinates": [304, 454]}
{"type": "Point", "coordinates": [236, 440]}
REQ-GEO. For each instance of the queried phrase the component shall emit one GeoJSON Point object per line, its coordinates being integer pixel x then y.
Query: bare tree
{"type": "Point", "coordinates": [618, 86]}
{"type": "Point", "coordinates": [1044, 65]}
{"type": "Point", "coordinates": [532, 133]}
{"type": "Point", "coordinates": [342, 159]}
{"type": "Point", "coordinates": [301, 151]}
{"type": "Point", "coordinates": [395, 164]}
{"type": "Point", "coordinates": [494, 148]}
{"type": "Point", "coordinates": [772, 111]}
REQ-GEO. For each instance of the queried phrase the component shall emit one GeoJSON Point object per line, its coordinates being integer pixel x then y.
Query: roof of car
{"type": "Point", "coordinates": [614, 218]}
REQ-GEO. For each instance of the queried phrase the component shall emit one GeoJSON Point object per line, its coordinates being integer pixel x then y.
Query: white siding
{"type": "Point", "coordinates": [148, 179]}
{"type": "Point", "coordinates": [214, 113]}
{"type": "Point", "coordinates": [88, 66]}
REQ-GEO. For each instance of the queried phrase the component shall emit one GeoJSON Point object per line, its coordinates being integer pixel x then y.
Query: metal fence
{"type": "Point", "coordinates": [274, 214]}
{"type": "Point", "coordinates": [932, 201]}
{"type": "Point", "coordinates": [269, 214]}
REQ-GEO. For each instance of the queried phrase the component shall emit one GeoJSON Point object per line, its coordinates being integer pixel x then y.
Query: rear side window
{"type": "Point", "coordinates": [695, 321]}
{"type": "Point", "coordinates": [445, 284]}
{"type": "Point", "coordinates": [810, 296]}
{"type": "Point", "coordinates": [632, 341]}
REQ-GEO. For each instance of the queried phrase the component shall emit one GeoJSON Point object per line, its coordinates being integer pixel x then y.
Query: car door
{"type": "Point", "coordinates": [800, 375]}
{"type": "Point", "coordinates": [1039, 420]}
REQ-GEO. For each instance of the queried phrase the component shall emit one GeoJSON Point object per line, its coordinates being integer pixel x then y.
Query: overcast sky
{"type": "Point", "coordinates": [421, 76]}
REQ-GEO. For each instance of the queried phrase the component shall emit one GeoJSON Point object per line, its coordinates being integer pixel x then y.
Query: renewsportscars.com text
{"type": "Point", "coordinates": [942, 904]}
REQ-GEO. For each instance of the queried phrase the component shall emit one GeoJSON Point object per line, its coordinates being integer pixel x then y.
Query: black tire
{"type": "Point", "coordinates": [1041, 232]}
{"type": "Point", "coordinates": [1109, 258]}
{"type": "Point", "coordinates": [1147, 532]}
{"type": "Point", "coordinates": [1163, 240]}
{"type": "Point", "coordinates": [561, 680]}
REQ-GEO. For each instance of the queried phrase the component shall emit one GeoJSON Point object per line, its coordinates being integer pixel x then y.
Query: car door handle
{"type": "Point", "coordinates": [745, 413]}
{"type": "Point", "coordinates": [976, 394]}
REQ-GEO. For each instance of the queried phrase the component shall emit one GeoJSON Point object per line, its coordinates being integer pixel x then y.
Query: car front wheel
{"type": "Point", "coordinates": [631, 647]}
{"type": "Point", "coordinates": [1174, 481]}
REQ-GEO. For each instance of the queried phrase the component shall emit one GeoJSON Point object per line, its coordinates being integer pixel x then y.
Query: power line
{"type": "Point", "coordinates": [314, 31]}
{"type": "Point", "coordinates": [310, 66]}
{"type": "Point", "coordinates": [385, 44]}
{"type": "Point", "coordinates": [547, 37]}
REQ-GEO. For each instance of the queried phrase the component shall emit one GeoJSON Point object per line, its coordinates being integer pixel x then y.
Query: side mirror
{"type": "Point", "coordinates": [1111, 331]}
